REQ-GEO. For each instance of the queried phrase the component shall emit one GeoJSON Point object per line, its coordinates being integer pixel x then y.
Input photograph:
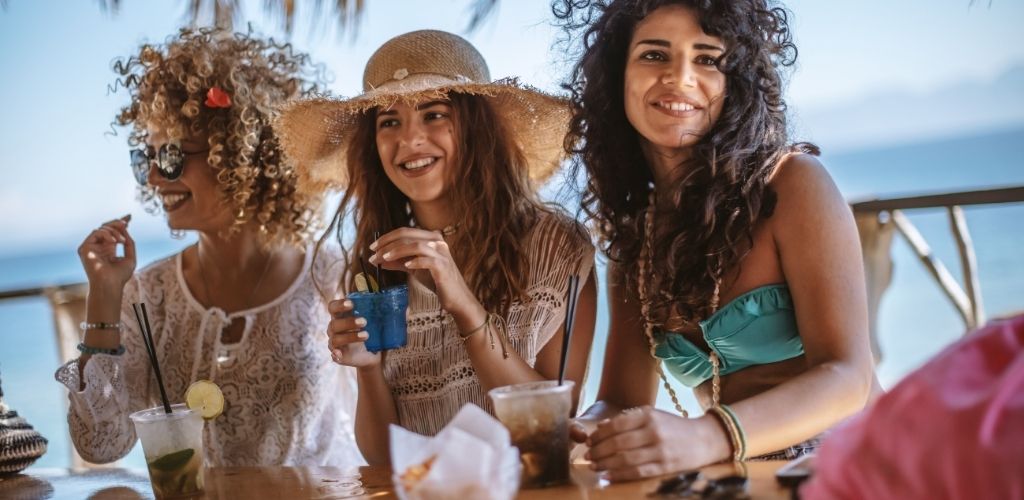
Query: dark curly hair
{"type": "Point", "coordinates": [725, 190]}
{"type": "Point", "coordinates": [168, 86]}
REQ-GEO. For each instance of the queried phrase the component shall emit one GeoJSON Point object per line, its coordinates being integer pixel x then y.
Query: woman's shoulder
{"type": "Point", "coordinates": [558, 244]}
{"type": "Point", "coordinates": [162, 268]}
{"type": "Point", "coordinates": [553, 224]}
{"type": "Point", "coordinates": [806, 195]}
{"type": "Point", "coordinates": [801, 181]}
{"type": "Point", "coordinates": [328, 263]}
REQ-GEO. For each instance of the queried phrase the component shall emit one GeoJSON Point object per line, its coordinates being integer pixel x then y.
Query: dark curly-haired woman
{"type": "Point", "coordinates": [734, 260]}
{"type": "Point", "coordinates": [240, 307]}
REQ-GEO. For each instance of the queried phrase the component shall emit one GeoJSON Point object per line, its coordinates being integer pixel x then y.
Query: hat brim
{"type": "Point", "coordinates": [314, 133]}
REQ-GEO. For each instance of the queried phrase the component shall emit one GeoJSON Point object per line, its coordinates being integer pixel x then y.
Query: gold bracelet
{"type": "Point", "coordinates": [732, 429]}
{"type": "Point", "coordinates": [740, 434]}
{"type": "Point", "coordinates": [465, 337]}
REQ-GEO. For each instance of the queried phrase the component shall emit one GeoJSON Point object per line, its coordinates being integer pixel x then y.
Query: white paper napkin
{"type": "Point", "coordinates": [472, 457]}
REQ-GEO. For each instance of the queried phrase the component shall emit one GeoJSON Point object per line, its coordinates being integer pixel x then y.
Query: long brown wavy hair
{"type": "Point", "coordinates": [168, 86]}
{"type": "Point", "coordinates": [725, 191]}
{"type": "Point", "coordinates": [489, 187]}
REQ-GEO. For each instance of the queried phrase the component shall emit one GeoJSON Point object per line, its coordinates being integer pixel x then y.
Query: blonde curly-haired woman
{"type": "Point", "coordinates": [240, 306]}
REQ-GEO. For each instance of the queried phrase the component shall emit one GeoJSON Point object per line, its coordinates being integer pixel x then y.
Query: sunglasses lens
{"type": "Point", "coordinates": [140, 165]}
{"type": "Point", "coordinates": [732, 487]}
{"type": "Point", "coordinates": [678, 485]}
{"type": "Point", "coordinates": [171, 161]}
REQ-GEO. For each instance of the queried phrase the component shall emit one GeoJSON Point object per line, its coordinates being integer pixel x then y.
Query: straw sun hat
{"type": "Point", "coordinates": [413, 67]}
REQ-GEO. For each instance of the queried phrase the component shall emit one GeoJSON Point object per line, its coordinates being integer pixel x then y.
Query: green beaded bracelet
{"type": "Point", "coordinates": [84, 349]}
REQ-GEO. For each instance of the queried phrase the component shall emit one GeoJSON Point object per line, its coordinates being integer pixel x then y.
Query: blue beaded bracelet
{"type": "Point", "coordinates": [84, 349]}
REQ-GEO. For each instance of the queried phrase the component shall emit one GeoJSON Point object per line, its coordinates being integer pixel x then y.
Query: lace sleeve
{"type": "Point", "coordinates": [559, 247]}
{"type": "Point", "coordinates": [114, 387]}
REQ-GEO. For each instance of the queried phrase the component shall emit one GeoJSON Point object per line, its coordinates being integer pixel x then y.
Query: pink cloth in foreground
{"type": "Point", "coordinates": [952, 429]}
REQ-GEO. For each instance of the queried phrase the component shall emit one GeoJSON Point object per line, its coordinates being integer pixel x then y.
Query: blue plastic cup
{"type": "Point", "coordinates": [384, 313]}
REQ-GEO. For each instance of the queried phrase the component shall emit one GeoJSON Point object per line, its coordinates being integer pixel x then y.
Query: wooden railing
{"type": "Point", "coordinates": [879, 219]}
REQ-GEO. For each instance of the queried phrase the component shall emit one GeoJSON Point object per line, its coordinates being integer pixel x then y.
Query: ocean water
{"type": "Point", "coordinates": [916, 320]}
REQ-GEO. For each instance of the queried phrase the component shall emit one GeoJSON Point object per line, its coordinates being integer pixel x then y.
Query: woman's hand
{"type": "Point", "coordinates": [644, 442]}
{"type": "Point", "coordinates": [346, 337]}
{"type": "Point", "coordinates": [105, 270]}
{"type": "Point", "coordinates": [411, 249]}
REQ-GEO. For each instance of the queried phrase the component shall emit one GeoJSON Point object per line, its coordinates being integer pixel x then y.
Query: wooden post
{"type": "Point", "coordinates": [876, 233]}
{"type": "Point", "coordinates": [968, 262]}
{"type": "Point", "coordinates": [938, 271]}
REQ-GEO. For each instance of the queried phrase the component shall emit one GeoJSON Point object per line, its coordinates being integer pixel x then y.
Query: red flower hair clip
{"type": "Point", "coordinates": [217, 98]}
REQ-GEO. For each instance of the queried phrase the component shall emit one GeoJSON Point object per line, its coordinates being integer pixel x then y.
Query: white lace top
{"type": "Point", "coordinates": [432, 377]}
{"type": "Point", "coordinates": [286, 403]}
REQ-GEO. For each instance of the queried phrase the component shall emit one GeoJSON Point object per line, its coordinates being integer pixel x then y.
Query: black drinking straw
{"type": "Point", "coordinates": [147, 339]}
{"type": "Point", "coordinates": [570, 317]}
{"type": "Point", "coordinates": [380, 286]}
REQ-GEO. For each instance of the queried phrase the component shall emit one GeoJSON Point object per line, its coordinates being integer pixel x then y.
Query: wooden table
{"type": "Point", "coordinates": [326, 483]}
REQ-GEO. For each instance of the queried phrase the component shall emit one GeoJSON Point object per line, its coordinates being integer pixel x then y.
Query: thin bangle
{"type": "Point", "coordinates": [84, 349]}
{"type": "Point", "coordinates": [465, 337]}
{"type": "Point", "coordinates": [101, 326]}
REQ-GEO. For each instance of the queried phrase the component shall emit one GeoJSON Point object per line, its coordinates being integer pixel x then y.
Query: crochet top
{"type": "Point", "coordinates": [432, 377]}
{"type": "Point", "coordinates": [286, 402]}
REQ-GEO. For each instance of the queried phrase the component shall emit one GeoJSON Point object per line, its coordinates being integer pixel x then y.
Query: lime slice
{"type": "Point", "coordinates": [206, 397]}
{"type": "Point", "coordinates": [173, 461]}
{"type": "Point", "coordinates": [361, 283]}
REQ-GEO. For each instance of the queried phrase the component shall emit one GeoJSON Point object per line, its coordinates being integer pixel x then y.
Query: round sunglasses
{"type": "Point", "coordinates": [169, 161]}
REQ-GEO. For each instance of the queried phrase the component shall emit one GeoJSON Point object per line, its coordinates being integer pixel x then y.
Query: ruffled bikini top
{"type": "Point", "coordinates": [756, 328]}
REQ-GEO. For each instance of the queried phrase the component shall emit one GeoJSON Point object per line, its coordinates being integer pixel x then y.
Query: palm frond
{"type": "Point", "coordinates": [482, 9]}
{"type": "Point", "coordinates": [347, 13]}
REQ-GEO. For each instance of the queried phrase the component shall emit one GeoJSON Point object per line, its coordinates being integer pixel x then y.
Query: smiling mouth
{"type": "Point", "coordinates": [173, 201]}
{"type": "Point", "coordinates": [419, 163]}
{"type": "Point", "coordinates": [675, 106]}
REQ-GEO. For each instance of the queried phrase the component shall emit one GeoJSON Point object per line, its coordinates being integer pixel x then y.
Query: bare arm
{"type": "Point", "coordinates": [629, 377]}
{"type": "Point", "coordinates": [375, 411]}
{"type": "Point", "coordinates": [495, 371]}
{"type": "Point", "coordinates": [819, 253]}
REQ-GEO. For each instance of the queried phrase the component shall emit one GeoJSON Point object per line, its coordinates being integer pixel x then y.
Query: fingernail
{"type": "Point", "coordinates": [373, 246]}
{"type": "Point", "coordinates": [348, 304]}
{"type": "Point", "coordinates": [431, 244]}
{"type": "Point", "coordinates": [127, 218]}
{"type": "Point", "coordinates": [373, 259]}
{"type": "Point", "coordinates": [408, 264]}
{"type": "Point", "coordinates": [387, 255]}
{"type": "Point", "coordinates": [361, 321]}
{"type": "Point", "coordinates": [363, 335]}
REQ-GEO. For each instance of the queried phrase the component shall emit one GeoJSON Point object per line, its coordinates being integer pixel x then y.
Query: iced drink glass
{"type": "Point", "coordinates": [173, 446]}
{"type": "Point", "coordinates": [384, 313]}
{"type": "Point", "coordinates": [537, 417]}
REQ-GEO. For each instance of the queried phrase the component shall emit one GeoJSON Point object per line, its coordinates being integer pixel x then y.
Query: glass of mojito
{"type": "Point", "coordinates": [173, 446]}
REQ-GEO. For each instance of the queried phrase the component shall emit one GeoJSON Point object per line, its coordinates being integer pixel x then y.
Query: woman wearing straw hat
{"type": "Point", "coordinates": [734, 260]}
{"type": "Point", "coordinates": [440, 161]}
{"type": "Point", "coordinates": [239, 307]}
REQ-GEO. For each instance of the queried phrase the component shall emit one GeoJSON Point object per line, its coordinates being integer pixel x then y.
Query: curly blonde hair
{"type": "Point", "coordinates": [168, 85]}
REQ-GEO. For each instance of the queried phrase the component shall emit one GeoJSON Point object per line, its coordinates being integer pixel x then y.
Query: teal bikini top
{"type": "Point", "coordinates": [756, 328]}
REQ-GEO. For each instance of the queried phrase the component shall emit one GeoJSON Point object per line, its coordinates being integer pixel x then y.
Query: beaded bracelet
{"type": "Point", "coordinates": [733, 428]}
{"type": "Point", "coordinates": [101, 326]}
{"type": "Point", "coordinates": [84, 349]}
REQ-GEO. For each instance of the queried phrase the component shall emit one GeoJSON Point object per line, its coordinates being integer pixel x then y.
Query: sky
{"type": "Point", "coordinates": [65, 173]}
